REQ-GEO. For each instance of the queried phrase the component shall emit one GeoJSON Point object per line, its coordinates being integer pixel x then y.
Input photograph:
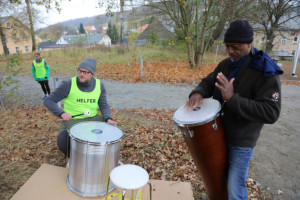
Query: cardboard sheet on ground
{"type": "Point", "coordinates": [49, 182]}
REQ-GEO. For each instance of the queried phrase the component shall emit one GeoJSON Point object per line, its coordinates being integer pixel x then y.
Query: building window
{"type": "Point", "coordinates": [283, 40]}
{"type": "Point", "coordinates": [26, 49]}
{"type": "Point", "coordinates": [293, 52]}
{"type": "Point", "coordinates": [8, 25]}
{"type": "Point", "coordinates": [15, 37]}
{"type": "Point", "coordinates": [295, 39]}
{"type": "Point", "coordinates": [17, 49]}
{"type": "Point", "coordinates": [262, 39]}
{"type": "Point", "coordinates": [16, 25]}
{"type": "Point", "coordinates": [24, 36]}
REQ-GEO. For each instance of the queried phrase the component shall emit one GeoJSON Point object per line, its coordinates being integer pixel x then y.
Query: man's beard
{"type": "Point", "coordinates": [84, 82]}
{"type": "Point", "coordinates": [235, 58]}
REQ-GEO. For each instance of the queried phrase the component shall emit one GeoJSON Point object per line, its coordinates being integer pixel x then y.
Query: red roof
{"type": "Point", "coordinates": [89, 28]}
{"type": "Point", "coordinates": [142, 28]}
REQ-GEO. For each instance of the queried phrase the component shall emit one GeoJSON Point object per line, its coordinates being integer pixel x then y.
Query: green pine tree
{"type": "Point", "coordinates": [115, 34]}
{"type": "Point", "coordinates": [81, 29]}
{"type": "Point", "coordinates": [110, 31]}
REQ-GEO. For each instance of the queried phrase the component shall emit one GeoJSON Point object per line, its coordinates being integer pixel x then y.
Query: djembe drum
{"type": "Point", "coordinates": [204, 135]}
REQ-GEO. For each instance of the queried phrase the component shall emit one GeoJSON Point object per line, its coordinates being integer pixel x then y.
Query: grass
{"type": "Point", "coordinates": [64, 61]}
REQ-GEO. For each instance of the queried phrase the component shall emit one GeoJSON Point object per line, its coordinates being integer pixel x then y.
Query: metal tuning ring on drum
{"type": "Point", "coordinates": [215, 125]}
{"type": "Point", "coordinates": [183, 131]}
{"type": "Point", "coordinates": [187, 132]}
{"type": "Point", "coordinates": [191, 132]}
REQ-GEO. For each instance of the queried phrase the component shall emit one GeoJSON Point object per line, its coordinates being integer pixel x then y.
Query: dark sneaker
{"type": "Point", "coordinates": [45, 96]}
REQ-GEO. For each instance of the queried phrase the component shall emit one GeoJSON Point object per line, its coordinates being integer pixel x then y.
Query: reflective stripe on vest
{"type": "Point", "coordinates": [40, 70]}
{"type": "Point", "coordinates": [77, 102]}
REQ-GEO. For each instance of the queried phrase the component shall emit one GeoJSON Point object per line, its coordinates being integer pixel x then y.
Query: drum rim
{"type": "Point", "coordinates": [95, 143]}
{"type": "Point", "coordinates": [193, 124]}
{"type": "Point", "coordinates": [197, 123]}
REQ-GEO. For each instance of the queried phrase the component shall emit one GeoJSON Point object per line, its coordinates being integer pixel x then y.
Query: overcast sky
{"type": "Point", "coordinates": [72, 10]}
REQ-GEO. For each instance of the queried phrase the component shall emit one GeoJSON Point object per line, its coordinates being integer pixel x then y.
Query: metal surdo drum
{"type": "Point", "coordinates": [204, 135]}
{"type": "Point", "coordinates": [94, 152]}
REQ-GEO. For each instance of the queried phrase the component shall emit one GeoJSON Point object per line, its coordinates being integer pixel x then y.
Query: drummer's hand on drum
{"type": "Point", "coordinates": [66, 116]}
{"type": "Point", "coordinates": [194, 101]}
{"type": "Point", "coordinates": [225, 86]}
{"type": "Point", "coordinates": [111, 122]}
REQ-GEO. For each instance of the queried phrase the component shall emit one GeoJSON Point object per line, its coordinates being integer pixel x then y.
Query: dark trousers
{"type": "Point", "coordinates": [45, 86]}
{"type": "Point", "coordinates": [63, 138]}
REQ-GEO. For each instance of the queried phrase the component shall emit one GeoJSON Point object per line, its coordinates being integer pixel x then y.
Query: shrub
{"type": "Point", "coordinates": [8, 85]}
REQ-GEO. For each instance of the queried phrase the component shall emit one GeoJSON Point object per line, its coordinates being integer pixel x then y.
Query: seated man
{"type": "Point", "coordinates": [81, 93]}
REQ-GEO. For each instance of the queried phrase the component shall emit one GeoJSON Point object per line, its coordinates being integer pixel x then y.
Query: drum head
{"type": "Point", "coordinates": [203, 114]}
{"type": "Point", "coordinates": [97, 132]}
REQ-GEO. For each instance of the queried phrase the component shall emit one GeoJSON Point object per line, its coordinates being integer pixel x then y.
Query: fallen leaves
{"type": "Point", "coordinates": [151, 140]}
{"type": "Point", "coordinates": [169, 72]}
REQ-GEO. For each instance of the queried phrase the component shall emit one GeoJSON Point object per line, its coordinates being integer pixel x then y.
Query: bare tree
{"type": "Point", "coordinates": [201, 21]}
{"type": "Point", "coordinates": [55, 31]}
{"type": "Point", "coordinates": [47, 4]}
{"type": "Point", "coordinates": [275, 15]}
{"type": "Point", "coordinates": [122, 20]}
{"type": "Point", "coordinates": [29, 13]}
{"type": "Point", "coordinates": [122, 6]}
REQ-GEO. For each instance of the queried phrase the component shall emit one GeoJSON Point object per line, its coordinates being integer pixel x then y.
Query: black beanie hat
{"type": "Point", "coordinates": [89, 64]}
{"type": "Point", "coordinates": [239, 31]}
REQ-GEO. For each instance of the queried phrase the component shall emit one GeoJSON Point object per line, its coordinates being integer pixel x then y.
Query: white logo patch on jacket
{"type": "Point", "coordinates": [275, 96]}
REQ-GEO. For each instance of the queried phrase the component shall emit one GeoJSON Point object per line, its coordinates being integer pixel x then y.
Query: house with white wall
{"type": "Point", "coordinates": [86, 39]}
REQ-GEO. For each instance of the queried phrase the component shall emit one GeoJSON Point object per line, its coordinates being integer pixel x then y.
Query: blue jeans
{"type": "Point", "coordinates": [238, 164]}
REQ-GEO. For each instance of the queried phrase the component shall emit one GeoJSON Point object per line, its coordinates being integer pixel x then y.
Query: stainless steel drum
{"type": "Point", "coordinates": [94, 152]}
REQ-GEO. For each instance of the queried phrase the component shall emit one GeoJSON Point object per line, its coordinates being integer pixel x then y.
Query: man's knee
{"type": "Point", "coordinates": [63, 142]}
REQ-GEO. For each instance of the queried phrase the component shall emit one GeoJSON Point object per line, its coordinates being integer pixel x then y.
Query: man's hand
{"type": "Point", "coordinates": [66, 116]}
{"type": "Point", "coordinates": [111, 122]}
{"type": "Point", "coordinates": [194, 101]}
{"type": "Point", "coordinates": [225, 86]}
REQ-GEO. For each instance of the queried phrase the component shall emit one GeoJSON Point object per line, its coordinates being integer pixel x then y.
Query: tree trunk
{"type": "Point", "coordinates": [3, 40]}
{"type": "Point", "coordinates": [188, 36]}
{"type": "Point", "coordinates": [31, 25]}
{"type": "Point", "coordinates": [200, 54]}
{"type": "Point", "coordinates": [217, 32]}
{"type": "Point", "coordinates": [122, 20]}
{"type": "Point", "coordinates": [191, 53]}
{"type": "Point", "coordinates": [270, 38]}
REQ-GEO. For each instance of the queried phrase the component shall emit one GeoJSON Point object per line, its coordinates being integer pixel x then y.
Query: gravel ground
{"type": "Point", "coordinates": [276, 159]}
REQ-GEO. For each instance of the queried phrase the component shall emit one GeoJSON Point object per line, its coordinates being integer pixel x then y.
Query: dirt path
{"type": "Point", "coordinates": [276, 159]}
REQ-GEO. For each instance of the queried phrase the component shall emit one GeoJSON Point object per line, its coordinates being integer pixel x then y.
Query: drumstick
{"type": "Point", "coordinates": [86, 113]}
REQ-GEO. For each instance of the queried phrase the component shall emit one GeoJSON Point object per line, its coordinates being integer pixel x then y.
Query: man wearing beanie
{"type": "Point", "coordinates": [82, 94]}
{"type": "Point", "coordinates": [248, 86]}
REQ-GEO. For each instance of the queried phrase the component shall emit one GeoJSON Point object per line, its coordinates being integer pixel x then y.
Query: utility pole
{"type": "Point", "coordinates": [296, 57]}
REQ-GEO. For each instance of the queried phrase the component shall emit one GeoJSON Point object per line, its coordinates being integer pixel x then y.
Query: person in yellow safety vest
{"type": "Point", "coordinates": [81, 93]}
{"type": "Point", "coordinates": [41, 72]}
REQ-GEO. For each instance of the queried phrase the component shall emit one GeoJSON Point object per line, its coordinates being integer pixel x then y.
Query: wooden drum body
{"type": "Point", "coordinates": [204, 135]}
